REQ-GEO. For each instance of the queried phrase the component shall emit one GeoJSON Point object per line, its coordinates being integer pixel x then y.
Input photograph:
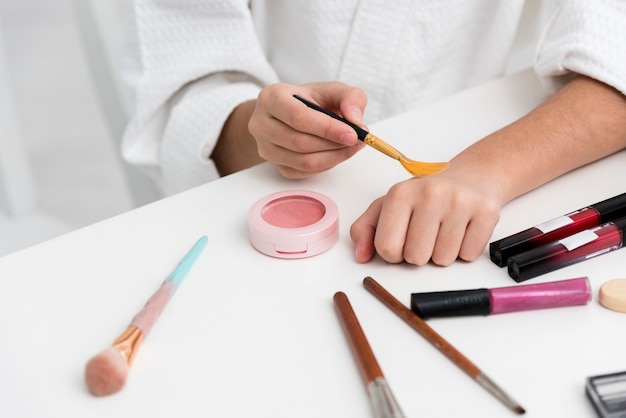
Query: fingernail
{"type": "Point", "coordinates": [348, 138]}
{"type": "Point", "coordinates": [357, 114]}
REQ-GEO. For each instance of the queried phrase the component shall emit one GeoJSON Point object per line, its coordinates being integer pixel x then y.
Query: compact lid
{"type": "Point", "coordinates": [293, 224]}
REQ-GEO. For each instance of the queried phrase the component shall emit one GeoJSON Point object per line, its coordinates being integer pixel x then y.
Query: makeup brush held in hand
{"type": "Point", "coordinates": [417, 168]}
{"type": "Point", "coordinates": [106, 373]}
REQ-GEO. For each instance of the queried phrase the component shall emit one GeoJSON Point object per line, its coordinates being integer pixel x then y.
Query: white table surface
{"type": "Point", "coordinates": [247, 335]}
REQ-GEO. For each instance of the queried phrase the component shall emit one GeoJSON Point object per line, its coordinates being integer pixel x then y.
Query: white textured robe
{"type": "Point", "coordinates": [193, 61]}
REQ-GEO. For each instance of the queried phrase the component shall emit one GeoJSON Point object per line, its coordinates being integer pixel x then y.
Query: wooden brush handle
{"type": "Point", "coordinates": [421, 327]}
{"type": "Point", "coordinates": [440, 343]}
{"type": "Point", "coordinates": [380, 145]}
{"type": "Point", "coordinates": [370, 370]}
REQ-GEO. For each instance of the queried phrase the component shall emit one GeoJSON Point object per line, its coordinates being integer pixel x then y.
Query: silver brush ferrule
{"type": "Point", "coordinates": [382, 400]}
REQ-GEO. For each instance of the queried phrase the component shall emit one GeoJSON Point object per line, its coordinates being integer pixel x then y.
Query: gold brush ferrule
{"type": "Point", "coordinates": [128, 343]}
{"type": "Point", "coordinates": [377, 143]}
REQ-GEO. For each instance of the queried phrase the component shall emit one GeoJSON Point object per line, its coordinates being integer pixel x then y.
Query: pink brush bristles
{"type": "Point", "coordinates": [106, 373]}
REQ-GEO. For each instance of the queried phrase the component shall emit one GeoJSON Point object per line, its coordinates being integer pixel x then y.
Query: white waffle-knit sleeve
{"type": "Point", "coordinates": [191, 62]}
{"type": "Point", "coordinates": [586, 37]}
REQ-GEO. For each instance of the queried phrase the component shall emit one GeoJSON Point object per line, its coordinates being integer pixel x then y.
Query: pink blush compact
{"type": "Point", "coordinates": [293, 224]}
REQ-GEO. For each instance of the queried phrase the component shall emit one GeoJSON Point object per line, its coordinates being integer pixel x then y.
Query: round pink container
{"type": "Point", "coordinates": [293, 224]}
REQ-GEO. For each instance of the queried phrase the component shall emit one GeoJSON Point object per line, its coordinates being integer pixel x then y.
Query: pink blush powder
{"type": "Point", "coordinates": [293, 224]}
{"type": "Point", "coordinates": [293, 211]}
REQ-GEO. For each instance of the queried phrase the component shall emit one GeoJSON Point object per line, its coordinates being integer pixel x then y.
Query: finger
{"type": "Point", "coordinates": [285, 136]}
{"type": "Point", "coordinates": [347, 101]}
{"type": "Point", "coordinates": [284, 107]}
{"type": "Point", "coordinates": [421, 236]}
{"type": "Point", "coordinates": [363, 231]}
{"type": "Point", "coordinates": [394, 223]}
{"type": "Point", "coordinates": [303, 152]}
{"type": "Point", "coordinates": [295, 165]}
{"type": "Point", "coordinates": [341, 99]}
{"type": "Point", "coordinates": [448, 241]}
{"type": "Point", "coordinates": [433, 228]}
{"type": "Point", "coordinates": [478, 233]}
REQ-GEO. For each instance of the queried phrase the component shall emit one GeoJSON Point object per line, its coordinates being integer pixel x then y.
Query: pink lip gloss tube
{"type": "Point", "coordinates": [502, 299]}
{"type": "Point", "coordinates": [588, 217]}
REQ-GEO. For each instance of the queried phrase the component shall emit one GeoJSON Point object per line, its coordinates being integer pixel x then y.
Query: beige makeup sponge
{"type": "Point", "coordinates": [613, 295]}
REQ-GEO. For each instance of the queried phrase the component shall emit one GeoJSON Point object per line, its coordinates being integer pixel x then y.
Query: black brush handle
{"type": "Point", "coordinates": [360, 132]}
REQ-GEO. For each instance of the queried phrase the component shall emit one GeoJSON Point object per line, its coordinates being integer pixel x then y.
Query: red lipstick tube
{"type": "Point", "coordinates": [502, 300]}
{"type": "Point", "coordinates": [557, 228]}
{"type": "Point", "coordinates": [573, 249]}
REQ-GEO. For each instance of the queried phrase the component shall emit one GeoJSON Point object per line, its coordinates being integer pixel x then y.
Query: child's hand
{"type": "Point", "coordinates": [301, 141]}
{"type": "Point", "coordinates": [438, 218]}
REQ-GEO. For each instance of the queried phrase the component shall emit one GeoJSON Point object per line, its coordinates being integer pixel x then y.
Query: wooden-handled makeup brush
{"type": "Point", "coordinates": [384, 404]}
{"type": "Point", "coordinates": [440, 343]}
{"type": "Point", "coordinates": [106, 373]}
{"type": "Point", "coordinates": [417, 168]}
